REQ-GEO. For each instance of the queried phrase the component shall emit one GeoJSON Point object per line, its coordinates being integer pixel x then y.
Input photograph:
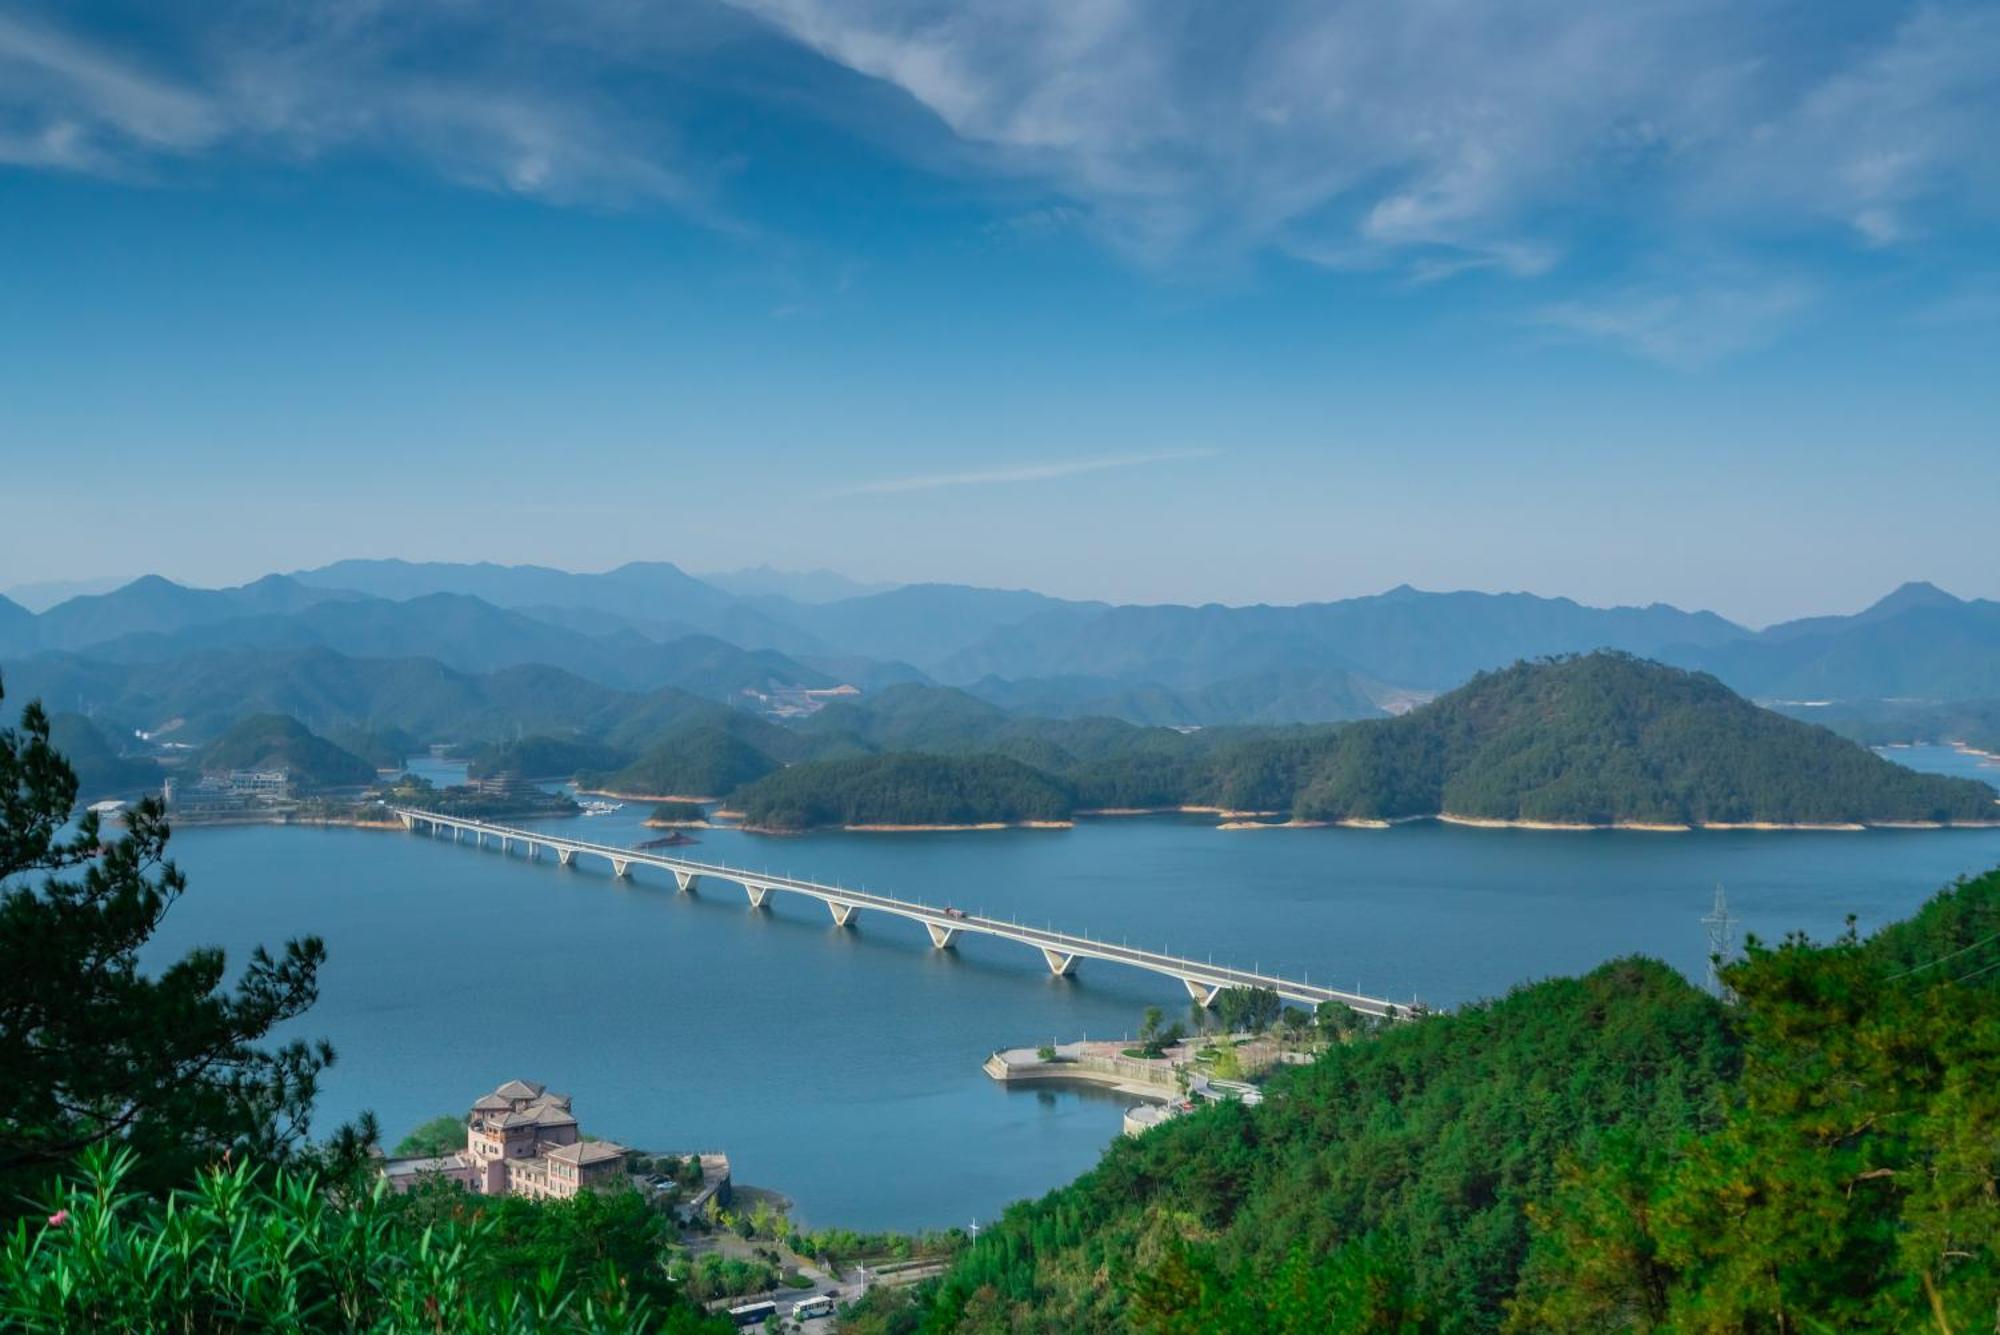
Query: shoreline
{"type": "Point", "coordinates": [1238, 822]}
{"type": "Point", "coordinates": [1227, 813]}
{"type": "Point", "coordinates": [645, 797]}
{"type": "Point", "coordinates": [1640, 827]}
{"type": "Point", "coordinates": [280, 818]}
{"type": "Point", "coordinates": [910, 829]}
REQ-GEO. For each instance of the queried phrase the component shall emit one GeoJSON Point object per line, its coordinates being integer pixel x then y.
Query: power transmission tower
{"type": "Point", "coordinates": [1721, 942]}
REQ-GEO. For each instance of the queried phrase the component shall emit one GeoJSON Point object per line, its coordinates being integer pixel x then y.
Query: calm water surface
{"type": "Point", "coordinates": [842, 1067]}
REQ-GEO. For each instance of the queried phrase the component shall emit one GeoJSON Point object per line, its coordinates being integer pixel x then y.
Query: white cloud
{"type": "Point", "coordinates": [1449, 133]}
{"type": "Point", "coordinates": [300, 85]}
{"type": "Point", "coordinates": [1035, 472]}
{"type": "Point", "coordinates": [1685, 325]}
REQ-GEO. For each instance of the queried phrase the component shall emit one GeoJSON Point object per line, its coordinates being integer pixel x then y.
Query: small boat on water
{"type": "Point", "coordinates": [599, 808]}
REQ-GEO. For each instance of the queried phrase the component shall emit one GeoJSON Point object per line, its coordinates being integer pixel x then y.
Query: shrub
{"type": "Point", "coordinates": [242, 1251]}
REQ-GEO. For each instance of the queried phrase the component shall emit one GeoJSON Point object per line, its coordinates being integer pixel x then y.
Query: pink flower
{"type": "Point", "coordinates": [59, 1218]}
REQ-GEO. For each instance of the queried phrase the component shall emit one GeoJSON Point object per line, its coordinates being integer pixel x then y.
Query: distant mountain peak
{"type": "Point", "coordinates": [1915, 593]}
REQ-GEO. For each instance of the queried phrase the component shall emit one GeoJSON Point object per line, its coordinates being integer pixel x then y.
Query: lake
{"type": "Point", "coordinates": [842, 1066]}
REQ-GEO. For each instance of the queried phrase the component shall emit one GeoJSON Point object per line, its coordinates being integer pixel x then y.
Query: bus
{"type": "Point", "coordinates": [753, 1314]}
{"type": "Point", "coordinates": [807, 1308]}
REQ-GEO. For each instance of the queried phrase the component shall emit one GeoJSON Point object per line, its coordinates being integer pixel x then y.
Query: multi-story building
{"type": "Point", "coordinates": [520, 1140]}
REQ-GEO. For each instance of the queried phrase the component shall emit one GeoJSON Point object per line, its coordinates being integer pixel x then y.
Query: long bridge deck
{"type": "Point", "coordinates": [1060, 950]}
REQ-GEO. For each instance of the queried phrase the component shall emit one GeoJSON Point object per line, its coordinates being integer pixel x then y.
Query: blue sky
{"type": "Point", "coordinates": [1155, 301]}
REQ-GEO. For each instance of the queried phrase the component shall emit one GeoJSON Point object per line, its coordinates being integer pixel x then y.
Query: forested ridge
{"type": "Point", "coordinates": [904, 790]}
{"type": "Point", "coordinates": [275, 741]}
{"type": "Point", "coordinates": [1617, 1152]}
{"type": "Point", "coordinates": [1596, 739]}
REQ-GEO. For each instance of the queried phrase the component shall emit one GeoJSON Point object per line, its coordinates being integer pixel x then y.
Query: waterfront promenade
{"type": "Point", "coordinates": [1203, 979]}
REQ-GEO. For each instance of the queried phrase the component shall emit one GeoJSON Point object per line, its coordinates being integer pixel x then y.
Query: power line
{"type": "Point", "coordinates": [1984, 968]}
{"type": "Point", "coordinates": [1942, 958]}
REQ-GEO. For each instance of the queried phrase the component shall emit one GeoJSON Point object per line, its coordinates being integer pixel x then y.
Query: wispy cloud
{"type": "Point", "coordinates": [1036, 472]}
{"type": "Point", "coordinates": [409, 83]}
{"type": "Point", "coordinates": [1456, 136]}
{"type": "Point", "coordinates": [1688, 325]}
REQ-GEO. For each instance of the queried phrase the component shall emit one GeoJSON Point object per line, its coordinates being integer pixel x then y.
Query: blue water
{"type": "Point", "coordinates": [842, 1067]}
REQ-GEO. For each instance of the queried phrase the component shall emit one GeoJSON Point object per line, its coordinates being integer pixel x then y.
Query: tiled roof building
{"type": "Point", "coordinates": [521, 1140]}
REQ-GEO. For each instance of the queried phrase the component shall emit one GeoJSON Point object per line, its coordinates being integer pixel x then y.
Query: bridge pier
{"type": "Point", "coordinates": [685, 881]}
{"type": "Point", "coordinates": [619, 867]}
{"type": "Point", "coordinates": [941, 937]}
{"type": "Point", "coordinates": [563, 855]}
{"type": "Point", "coordinates": [1203, 992]}
{"type": "Point", "coordinates": [409, 821]}
{"type": "Point", "coordinates": [758, 894]}
{"type": "Point", "coordinates": [843, 914]}
{"type": "Point", "coordinates": [1060, 965]}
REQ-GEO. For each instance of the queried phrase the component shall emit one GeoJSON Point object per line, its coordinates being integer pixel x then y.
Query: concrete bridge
{"type": "Point", "coordinates": [1060, 950]}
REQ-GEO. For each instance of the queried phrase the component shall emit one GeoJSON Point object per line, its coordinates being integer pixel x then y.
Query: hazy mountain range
{"type": "Point", "coordinates": [650, 626]}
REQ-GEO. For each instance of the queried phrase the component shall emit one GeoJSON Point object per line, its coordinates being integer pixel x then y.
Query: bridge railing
{"type": "Point", "coordinates": [1048, 935]}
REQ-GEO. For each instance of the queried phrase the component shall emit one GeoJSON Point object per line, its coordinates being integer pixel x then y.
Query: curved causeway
{"type": "Point", "coordinates": [1060, 950]}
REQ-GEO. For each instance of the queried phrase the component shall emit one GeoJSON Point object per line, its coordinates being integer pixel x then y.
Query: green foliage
{"type": "Point", "coordinates": [512, 802]}
{"type": "Point", "coordinates": [277, 741]}
{"type": "Point", "coordinates": [242, 1251]}
{"type": "Point", "coordinates": [903, 790]}
{"type": "Point", "coordinates": [1390, 1179]}
{"type": "Point", "coordinates": [886, 1309]}
{"type": "Point", "coordinates": [441, 1135]}
{"type": "Point", "coordinates": [703, 762]}
{"type": "Point", "coordinates": [543, 757]}
{"type": "Point", "coordinates": [95, 1049]}
{"type": "Point", "coordinates": [1611, 1153]}
{"type": "Point", "coordinates": [387, 748]}
{"type": "Point", "coordinates": [1855, 1182]}
{"type": "Point", "coordinates": [1604, 737]}
{"type": "Point", "coordinates": [1253, 1008]}
{"type": "Point", "coordinates": [717, 1276]}
{"type": "Point", "coordinates": [678, 813]}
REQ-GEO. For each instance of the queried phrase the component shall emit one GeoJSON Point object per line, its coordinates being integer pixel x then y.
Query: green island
{"type": "Point", "coordinates": [706, 761]}
{"type": "Point", "coordinates": [904, 790]}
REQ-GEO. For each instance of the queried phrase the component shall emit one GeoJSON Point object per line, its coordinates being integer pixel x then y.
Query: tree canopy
{"type": "Point", "coordinates": [96, 1049]}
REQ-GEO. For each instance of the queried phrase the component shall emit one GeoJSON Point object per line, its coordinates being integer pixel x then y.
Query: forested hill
{"type": "Point", "coordinates": [1602, 738]}
{"type": "Point", "coordinates": [905, 790]}
{"type": "Point", "coordinates": [1616, 1152]}
{"type": "Point", "coordinates": [277, 741]}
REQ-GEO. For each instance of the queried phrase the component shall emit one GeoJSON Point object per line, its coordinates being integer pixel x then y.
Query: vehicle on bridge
{"type": "Point", "coordinates": [951, 912]}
